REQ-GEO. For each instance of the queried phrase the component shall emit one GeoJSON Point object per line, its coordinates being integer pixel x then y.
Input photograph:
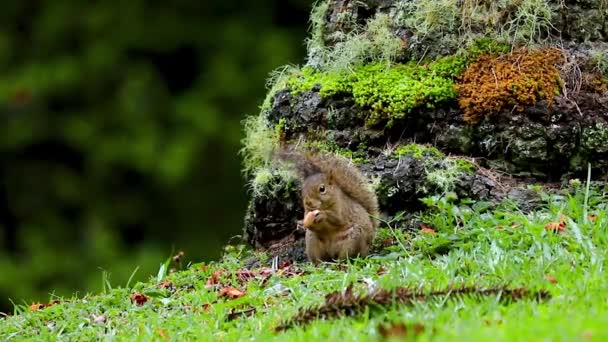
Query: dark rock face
{"type": "Point", "coordinates": [544, 140]}
{"type": "Point", "coordinates": [272, 224]}
{"type": "Point", "coordinates": [571, 20]}
{"type": "Point", "coordinates": [272, 217]}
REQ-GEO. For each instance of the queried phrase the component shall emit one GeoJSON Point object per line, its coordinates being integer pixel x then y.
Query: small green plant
{"type": "Point", "coordinates": [599, 59]}
{"type": "Point", "coordinates": [417, 151]}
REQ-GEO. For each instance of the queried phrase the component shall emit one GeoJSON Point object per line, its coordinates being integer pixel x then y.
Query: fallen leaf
{"type": "Point", "coordinates": [99, 319]}
{"type": "Point", "coordinates": [40, 306]}
{"type": "Point", "coordinates": [400, 330]}
{"type": "Point", "coordinates": [162, 333]}
{"type": "Point", "coordinates": [285, 264]}
{"type": "Point", "coordinates": [426, 229]}
{"type": "Point", "coordinates": [551, 279]}
{"type": "Point", "coordinates": [587, 334]}
{"type": "Point", "coordinates": [139, 298]}
{"type": "Point", "coordinates": [381, 270]}
{"type": "Point", "coordinates": [207, 307]}
{"type": "Point", "coordinates": [557, 227]}
{"type": "Point", "coordinates": [214, 279]}
{"type": "Point", "coordinates": [231, 293]}
{"type": "Point", "coordinates": [592, 218]}
{"type": "Point", "coordinates": [165, 285]}
{"type": "Point", "coordinates": [387, 242]}
{"type": "Point", "coordinates": [36, 306]}
{"type": "Point", "coordinates": [266, 271]}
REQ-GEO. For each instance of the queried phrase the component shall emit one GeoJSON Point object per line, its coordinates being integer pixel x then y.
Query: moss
{"type": "Point", "coordinates": [279, 128]}
{"type": "Point", "coordinates": [594, 138]}
{"type": "Point", "coordinates": [465, 165]}
{"type": "Point", "coordinates": [486, 45]}
{"type": "Point", "coordinates": [390, 93]}
{"type": "Point", "coordinates": [508, 82]}
{"type": "Point", "coordinates": [417, 151]}
{"type": "Point", "coordinates": [358, 157]}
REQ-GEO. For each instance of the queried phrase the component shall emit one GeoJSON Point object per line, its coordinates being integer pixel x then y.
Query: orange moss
{"type": "Point", "coordinates": [508, 82]}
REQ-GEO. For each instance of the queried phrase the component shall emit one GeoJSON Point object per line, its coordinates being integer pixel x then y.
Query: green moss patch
{"type": "Point", "coordinates": [389, 92]}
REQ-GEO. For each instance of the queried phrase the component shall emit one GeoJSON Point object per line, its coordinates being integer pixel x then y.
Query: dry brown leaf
{"type": "Point", "coordinates": [139, 298]}
{"type": "Point", "coordinates": [36, 306]}
{"type": "Point", "coordinates": [231, 293]}
{"type": "Point", "coordinates": [558, 227]}
{"type": "Point", "coordinates": [426, 229]}
{"type": "Point", "coordinates": [165, 285]}
{"type": "Point", "coordinates": [587, 335]}
{"type": "Point", "coordinates": [162, 333]}
{"type": "Point", "coordinates": [400, 330]}
{"type": "Point", "coordinates": [40, 306]}
{"type": "Point", "coordinates": [214, 279]}
{"type": "Point", "coordinates": [99, 319]}
{"type": "Point", "coordinates": [551, 279]}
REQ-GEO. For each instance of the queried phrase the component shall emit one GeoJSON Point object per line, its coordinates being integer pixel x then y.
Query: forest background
{"type": "Point", "coordinates": [120, 125]}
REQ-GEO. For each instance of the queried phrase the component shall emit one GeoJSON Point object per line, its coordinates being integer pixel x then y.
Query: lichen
{"type": "Point", "coordinates": [459, 22]}
{"type": "Point", "coordinates": [441, 171]}
{"type": "Point", "coordinates": [594, 138]}
{"type": "Point", "coordinates": [375, 42]}
{"type": "Point", "coordinates": [269, 182]}
{"type": "Point", "coordinates": [259, 143]}
{"type": "Point", "coordinates": [508, 82]}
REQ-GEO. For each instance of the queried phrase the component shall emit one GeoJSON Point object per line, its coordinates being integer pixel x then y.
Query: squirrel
{"type": "Point", "coordinates": [340, 208]}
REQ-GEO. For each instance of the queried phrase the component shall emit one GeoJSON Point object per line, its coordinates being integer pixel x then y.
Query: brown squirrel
{"type": "Point", "coordinates": [339, 207]}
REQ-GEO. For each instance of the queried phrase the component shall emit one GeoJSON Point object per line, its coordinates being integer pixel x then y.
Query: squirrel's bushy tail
{"type": "Point", "coordinates": [346, 175]}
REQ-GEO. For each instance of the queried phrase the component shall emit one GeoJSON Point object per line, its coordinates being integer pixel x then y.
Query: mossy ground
{"type": "Point", "coordinates": [560, 248]}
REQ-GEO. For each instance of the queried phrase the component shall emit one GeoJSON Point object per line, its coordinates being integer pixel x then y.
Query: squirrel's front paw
{"type": "Point", "coordinates": [310, 218]}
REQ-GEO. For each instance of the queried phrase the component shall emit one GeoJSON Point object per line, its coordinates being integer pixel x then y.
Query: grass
{"type": "Point", "coordinates": [560, 248]}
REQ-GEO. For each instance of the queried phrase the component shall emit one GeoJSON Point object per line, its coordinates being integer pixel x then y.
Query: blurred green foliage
{"type": "Point", "coordinates": [120, 126]}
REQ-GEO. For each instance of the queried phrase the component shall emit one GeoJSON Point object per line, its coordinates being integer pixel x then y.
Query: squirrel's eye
{"type": "Point", "coordinates": [322, 188]}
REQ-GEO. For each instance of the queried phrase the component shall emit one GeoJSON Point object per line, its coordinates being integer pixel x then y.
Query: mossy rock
{"type": "Point", "coordinates": [519, 85]}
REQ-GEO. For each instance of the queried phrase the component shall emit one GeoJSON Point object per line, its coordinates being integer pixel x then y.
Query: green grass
{"type": "Point", "coordinates": [474, 244]}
